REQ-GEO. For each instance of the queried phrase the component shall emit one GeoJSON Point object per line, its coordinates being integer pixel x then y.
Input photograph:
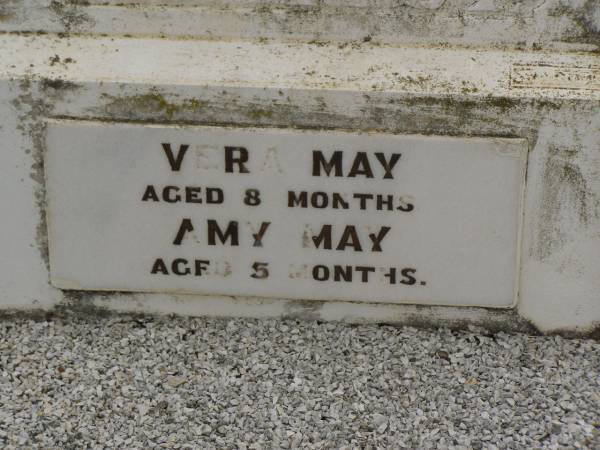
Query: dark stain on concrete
{"type": "Point", "coordinates": [494, 321]}
{"type": "Point", "coordinates": [81, 303]}
{"type": "Point", "coordinates": [566, 193]}
{"type": "Point", "coordinates": [8, 10]}
{"type": "Point", "coordinates": [589, 22]}
{"type": "Point", "coordinates": [57, 85]}
{"type": "Point", "coordinates": [32, 110]}
{"type": "Point", "coordinates": [70, 14]}
{"type": "Point", "coordinates": [585, 28]}
{"type": "Point", "coordinates": [34, 104]}
{"type": "Point", "coordinates": [303, 309]}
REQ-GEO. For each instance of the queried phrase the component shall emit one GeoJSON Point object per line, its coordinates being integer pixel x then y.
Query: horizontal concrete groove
{"type": "Point", "coordinates": [530, 24]}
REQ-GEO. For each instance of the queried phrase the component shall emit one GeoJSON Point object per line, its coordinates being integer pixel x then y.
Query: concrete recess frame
{"type": "Point", "coordinates": [506, 69]}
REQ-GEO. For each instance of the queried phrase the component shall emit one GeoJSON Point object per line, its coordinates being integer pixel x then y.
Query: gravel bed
{"type": "Point", "coordinates": [180, 383]}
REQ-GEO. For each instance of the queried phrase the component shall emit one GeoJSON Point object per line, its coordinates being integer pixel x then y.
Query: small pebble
{"type": "Point", "coordinates": [176, 381]}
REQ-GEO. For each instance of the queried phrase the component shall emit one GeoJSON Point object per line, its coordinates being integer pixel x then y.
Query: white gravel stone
{"type": "Point", "coordinates": [179, 383]}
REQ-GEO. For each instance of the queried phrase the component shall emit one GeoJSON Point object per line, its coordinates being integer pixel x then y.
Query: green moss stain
{"type": "Point", "coordinates": [58, 84]}
{"type": "Point", "coordinates": [502, 103]}
{"type": "Point", "coordinates": [258, 114]}
{"type": "Point", "coordinates": [152, 103]}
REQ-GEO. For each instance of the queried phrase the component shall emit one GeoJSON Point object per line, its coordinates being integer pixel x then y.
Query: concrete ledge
{"type": "Point", "coordinates": [527, 24]}
{"type": "Point", "coordinates": [364, 67]}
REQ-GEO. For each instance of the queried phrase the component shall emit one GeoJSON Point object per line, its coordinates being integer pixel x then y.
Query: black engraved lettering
{"type": "Point", "coordinates": [408, 278]}
{"type": "Point", "coordinates": [150, 194]}
{"type": "Point", "coordinates": [342, 273]}
{"type": "Point", "coordinates": [334, 164]}
{"type": "Point", "coordinates": [349, 239]}
{"type": "Point", "coordinates": [320, 272]}
{"type": "Point", "coordinates": [200, 266]}
{"type": "Point", "coordinates": [377, 238]}
{"type": "Point", "coordinates": [324, 236]}
{"type": "Point", "coordinates": [387, 201]}
{"type": "Point", "coordinates": [300, 199]}
{"type": "Point", "coordinates": [252, 197]}
{"type": "Point", "coordinates": [259, 236]}
{"type": "Point", "coordinates": [159, 266]}
{"type": "Point", "coordinates": [319, 200]}
{"type": "Point", "coordinates": [214, 196]}
{"type": "Point", "coordinates": [185, 227]}
{"type": "Point", "coordinates": [261, 270]}
{"type": "Point", "coordinates": [388, 166]}
{"type": "Point", "coordinates": [404, 206]}
{"type": "Point", "coordinates": [171, 194]}
{"type": "Point", "coordinates": [236, 156]}
{"type": "Point", "coordinates": [391, 275]}
{"type": "Point", "coordinates": [338, 201]}
{"type": "Point", "coordinates": [175, 161]}
{"type": "Point", "coordinates": [180, 267]}
{"type": "Point", "coordinates": [364, 271]}
{"type": "Point", "coordinates": [192, 194]}
{"type": "Point", "coordinates": [361, 166]}
{"type": "Point", "coordinates": [363, 199]}
{"type": "Point", "coordinates": [215, 231]}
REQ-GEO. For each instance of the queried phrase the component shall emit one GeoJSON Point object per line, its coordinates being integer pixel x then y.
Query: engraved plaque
{"type": "Point", "coordinates": [283, 213]}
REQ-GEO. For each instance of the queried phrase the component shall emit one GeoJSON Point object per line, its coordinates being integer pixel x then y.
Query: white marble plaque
{"type": "Point", "coordinates": [324, 215]}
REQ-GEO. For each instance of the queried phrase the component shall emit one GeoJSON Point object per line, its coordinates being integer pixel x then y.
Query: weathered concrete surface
{"type": "Point", "coordinates": [446, 91]}
{"type": "Point", "coordinates": [526, 24]}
